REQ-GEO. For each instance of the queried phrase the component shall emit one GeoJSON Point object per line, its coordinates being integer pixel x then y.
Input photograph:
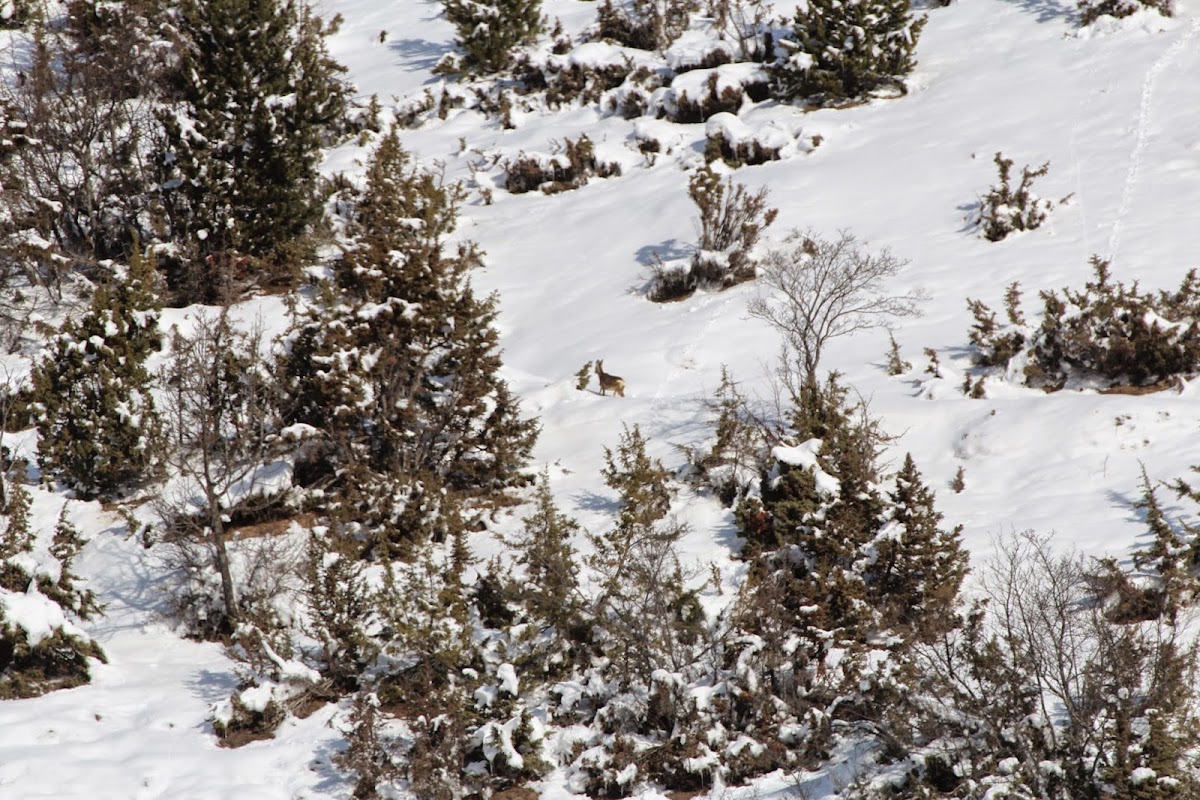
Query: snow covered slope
{"type": "Point", "coordinates": [1115, 109]}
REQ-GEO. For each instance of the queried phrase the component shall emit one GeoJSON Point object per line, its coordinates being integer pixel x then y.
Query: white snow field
{"type": "Point", "coordinates": [1114, 109]}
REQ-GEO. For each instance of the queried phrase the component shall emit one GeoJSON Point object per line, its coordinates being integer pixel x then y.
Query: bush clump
{"type": "Point", "coordinates": [98, 430]}
{"type": "Point", "coordinates": [553, 176]}
{"type": "Point", "coordinates": [843, 51]}
{"type": "Point", "coordinates": [1004, 209]}
{"type": "Point", "coordinates": [1092, 10]}
{"type": "Point", "coordinates": [731, 220]}
{"type": "Point", "coordinates": [745, 153]}
{"type": "Point", "coordinates": [644, 24]}
{"type": "Point", "coordinates": [1107, 331]}
{"type": "Point", "coordinates": [489, 31]}
{"type": "Point", "coordinates": [41, 650]}
{"type": "Point", "coordinates": [714, 99]}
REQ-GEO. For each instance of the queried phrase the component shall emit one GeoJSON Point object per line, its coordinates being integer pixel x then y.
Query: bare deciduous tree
{"type": "Point", "coordinates": [746, 22]}
{"type": "Point", "coordinates": [80, 176]}
{"type": "Point", "coordinates": [1045, 674]}
{"type": "Point", "coordinates": [219, 408]}
{"type": "Point", "coordinates": [819, 289]}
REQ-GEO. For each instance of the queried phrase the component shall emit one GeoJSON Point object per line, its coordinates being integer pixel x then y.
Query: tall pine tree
{"type": "Point", "coordinates": [842, 50]}
{"type": "Point", "coordinates": [490, 30]}
{"type": "Point", "coordinates": [918, 567]}
{"type": "Point", "coordinates": [843, 578]}
{"type": "Point", "coordinates": [398, 363]}
{"type": "Point", "coordinates": [257, 96]}
{"type": "Point", "coordinates": [98, 429]}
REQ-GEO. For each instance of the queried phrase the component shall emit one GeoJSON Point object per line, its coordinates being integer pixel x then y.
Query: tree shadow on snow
{"type": "Point", "coordinates": [970, 216]}
{"type": "Point", "coordinates": [1174, 514]}
{"type": "Point", "coordinates": [213, 687]}
{"type": "Point", "coordinates": [1047, 10]}
{"type": "Point", "coordinates": [667, 250]}
{"type": "Point", "coordinates": [419, 54]}
{"type": "Point", "coordinates": [728, 537]}
{"type": "Point", "coordinates": [593, 501]}
{"type": "Point", "coordinates": [135, 588]}
{"type": "Point", "coordinates": [332, 782]}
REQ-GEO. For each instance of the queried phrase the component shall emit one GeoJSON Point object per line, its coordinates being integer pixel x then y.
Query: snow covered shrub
{"type": "Point", "coordinates": [669, 283]}
{"type": "Point", "coordinates": [842, 51]}
{"type": "Point", "coordinates": [1107, 331]}
{"type": "Point", "coordinates": [713, 99]}
{"type": "Point", "coordinates": [464, 670]}
{"type": "Point", "coordinates": [843, 578]}
{"type": "Point", "coordinates": [544, 548]}
{"type": "Point", "coordinates": [996, 346]}
{"type": "Point", "coordinates": [734, 460]}
{"type": "Point", "coordinates": [737, 152]}
{"type": "Point", "coordinates": [341, 607]}
{"type": "Point", "coordinates": [19, 13]}
{"type": "Point", "coordinates": [895, 364]}
{"type": "Point", "coordinates": [428, 667]}
{"type": "Point", "coordinates": [731, 220]}
{"type": "Point", "coordinates": [1042, 693]}
{"type": "Point", "coordinates": [644, 24]}
{"type": "Point", "coordinates": [489, 31]}
{"type": "Point", "coordinates": [367, 754]}
{"type": "Point", "coordinates": [274, 684]}
{"type": "Point", "coordinates": [698, 95]}
{"type": "Point", "coordinates": [256, 98]}
{"type": "Point", "coordinates": [41, 649]}
{"type": "Point", "coordinates": [248, 717]}
{"type": "Point", "coordinates": [32, 664]}
{"type": "Point", "coordinates": [650, 619]}
{"type": "Point", "coordinates": [909, 565]}
{"type": "Point", "coordinates": [559, 173]}
{"type": "Point", "coordinates": [98, 431]}
{"type": "Point", "coordinates": [396, 365]}
{"type": "Point", "coordinates": [565, 80]}
{"type": "Point", "coordinates": [1005, 209]}
{"type": "Point", "coordinates": [1092, 10]}
{"type": "Point", "coordinates": [1165, 581]}
{"type": "Point", "coordinates": [745, 23]}
{"type": "Point", "coordinates": [583, 377]}
{"type": "Point", "coordinates": [649, 630]}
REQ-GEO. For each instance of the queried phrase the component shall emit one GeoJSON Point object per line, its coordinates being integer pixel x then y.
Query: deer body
{"type": "Point", "coordinates": [609, 382]}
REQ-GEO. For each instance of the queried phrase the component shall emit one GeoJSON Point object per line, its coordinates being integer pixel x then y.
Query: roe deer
{"type": "Point", "coordinates": [607, 382]}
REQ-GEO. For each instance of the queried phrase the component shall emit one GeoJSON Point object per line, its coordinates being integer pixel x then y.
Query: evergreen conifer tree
{"type": "Point", "coordinates": [545, 549]}
{"type": "Point", "coordinates": [18, 536]}
{"type": "Point", "coordinates": [65, 547]}
{"type": "Point", "coordinates": [489, 30]}
{"type": "Point", "coordinates": [256, 97]}
{"type": "Point", "coordinates": [1171, 556]}
{"type": "Point", "coordinates": [842, 580]}
{"type": "Point", "coordinates": [650, 617]}
{"type": "Point", "coordinates": [919, 567]}
{"type": "Point", "coordinates": [341, 607]}
{"type": "Point", "coordinates": [98, 429]}
{"type": "Point", "coordinates": [32, 664]}
{"type": "Point", "coordinates": [397, 363]}
{"type": "Point", "coordinates": [846, 50]}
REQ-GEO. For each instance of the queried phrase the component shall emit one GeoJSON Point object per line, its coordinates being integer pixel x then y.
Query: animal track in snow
{"type": "Point", "coordinates": [1143, 129]}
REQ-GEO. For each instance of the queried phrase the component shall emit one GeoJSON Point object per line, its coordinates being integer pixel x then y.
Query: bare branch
{"type": "Point", "coordinates": [821, 289]}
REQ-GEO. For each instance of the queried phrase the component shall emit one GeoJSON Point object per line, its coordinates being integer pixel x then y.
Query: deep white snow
{"type": "Point", "coordinates": [1115, 109]}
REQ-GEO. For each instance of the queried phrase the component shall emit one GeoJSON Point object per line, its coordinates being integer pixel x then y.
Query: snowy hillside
{"type": "Point", "coordinates": [1113, 107]}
